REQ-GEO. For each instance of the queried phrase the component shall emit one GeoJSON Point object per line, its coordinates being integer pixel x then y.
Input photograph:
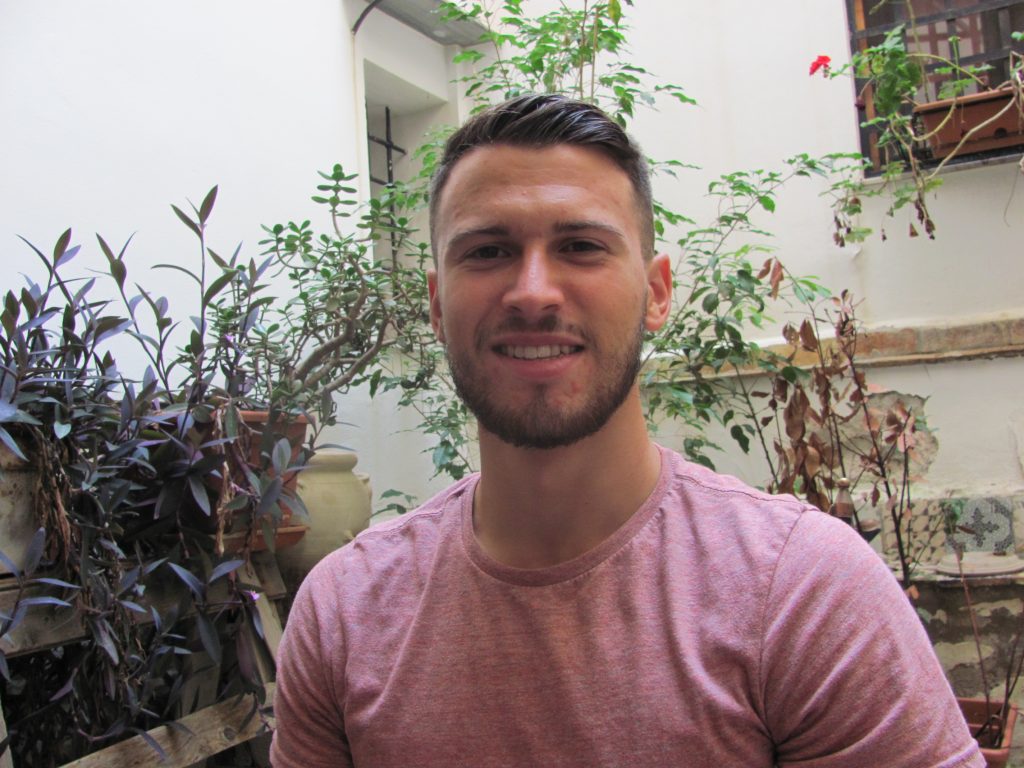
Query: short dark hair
{"type": "Point", "coordinates": [545, 120]}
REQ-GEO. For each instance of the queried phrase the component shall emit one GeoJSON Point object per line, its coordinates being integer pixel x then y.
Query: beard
{"type": "Point", "coordinates": [542, 424]}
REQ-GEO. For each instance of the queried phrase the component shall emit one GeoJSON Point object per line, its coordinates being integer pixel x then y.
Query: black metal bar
{"type": "Point", "coordinates": [384, 143]}
{"type": "Point", "coordinates": [364, 14]}
{"type": "Point", "coordinates": [389, 148]}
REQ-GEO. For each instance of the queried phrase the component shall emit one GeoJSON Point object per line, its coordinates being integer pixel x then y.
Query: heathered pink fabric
{"type": "Point", "coordinates": [718, 627]}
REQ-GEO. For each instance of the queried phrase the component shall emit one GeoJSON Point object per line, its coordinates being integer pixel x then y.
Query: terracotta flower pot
{"type": "Point", "coordinates": [976, 714]}
{"type": "Point", "coordinates": [233, 537]}
{"type": "Point", "coordinates": [968, 112]}
{"type": "Point", "coordinates": [286, 534]}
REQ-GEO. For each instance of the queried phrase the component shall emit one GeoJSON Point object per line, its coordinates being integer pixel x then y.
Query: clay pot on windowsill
{"type": "Point", "coordinates": [975, 714]}
{"type": "Point", "coordinates": [966, 112]}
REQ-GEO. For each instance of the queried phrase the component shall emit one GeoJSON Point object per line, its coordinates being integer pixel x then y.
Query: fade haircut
{"type": "Point", "coordinates": [547, 120]}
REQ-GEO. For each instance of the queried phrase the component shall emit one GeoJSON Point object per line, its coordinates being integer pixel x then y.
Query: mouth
{"type": "Point", "coordinates": [542, 352]}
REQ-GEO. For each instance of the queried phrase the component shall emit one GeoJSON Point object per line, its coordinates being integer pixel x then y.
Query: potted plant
{"type": "Point", "coordinates": [160, 475]}
{"type": "Point", "coordinates": [976, 122]}
{"type": "Point", "coordinates": [916, 136]}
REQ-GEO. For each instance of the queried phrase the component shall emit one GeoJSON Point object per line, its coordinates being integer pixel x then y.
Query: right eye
{"type": "Point", "coordinates": [486, 253]}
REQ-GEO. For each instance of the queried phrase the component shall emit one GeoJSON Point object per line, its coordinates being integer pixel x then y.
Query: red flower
{"type": "Point", "coordinates": [822, 63]}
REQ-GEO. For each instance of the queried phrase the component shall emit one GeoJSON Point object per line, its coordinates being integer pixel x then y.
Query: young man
{"type": "Point", "coordinates": [591, 599]}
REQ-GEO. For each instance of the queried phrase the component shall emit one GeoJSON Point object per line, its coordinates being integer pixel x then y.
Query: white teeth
{"type": "Point", "coordinates": [534, 353]}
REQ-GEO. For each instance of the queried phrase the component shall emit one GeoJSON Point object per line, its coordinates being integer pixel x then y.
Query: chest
{"type": "Point", "coordinates": [586, 673]}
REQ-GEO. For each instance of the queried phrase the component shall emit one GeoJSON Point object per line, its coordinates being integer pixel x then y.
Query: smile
{"type": "Point", "coordinates": [521, 352]}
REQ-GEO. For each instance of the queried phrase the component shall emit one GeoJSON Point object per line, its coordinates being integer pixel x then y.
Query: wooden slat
{"type": "Point", "coordinates": [214, 729]}
{"type": "Point", "coordinates": [5, 758]}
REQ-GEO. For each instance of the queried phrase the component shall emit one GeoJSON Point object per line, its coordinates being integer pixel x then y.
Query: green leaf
{"type": "Point", "coordinates": [614, 11]}
{"type": "Point", "coordinates": [225, 568]}
{"type": "Point", "coordinates": [187, 221]}
{"type": "Point", "coordinates": [207, 205]}
{"type": "Point", "coordinates": [195, 485]}
{"type": "Point", "coordinates": [208, 636]}
{"type": "Point", "coordinates": [190, 580]}
{"type": "Point", "coordinates": [740, 437]}
{"type": "Point", "coordinates": [281, 456]}
{"type": "Point", "coordinates": [12, 446]}
{"type": "Point", "coordinates": [217, 285]}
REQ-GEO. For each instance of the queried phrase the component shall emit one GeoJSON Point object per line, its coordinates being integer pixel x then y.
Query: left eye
{"type": "Point", "coordinates": [581, 246]}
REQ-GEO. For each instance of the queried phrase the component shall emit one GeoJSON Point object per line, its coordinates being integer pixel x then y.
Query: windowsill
{"type": "Point", "coordinates": [954, 166]}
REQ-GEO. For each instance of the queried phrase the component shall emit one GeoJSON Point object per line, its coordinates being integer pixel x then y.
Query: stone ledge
{"type": "Point", "coordinates": [884, 346]}
{"type": "Point", "coordinates": [907, 345]}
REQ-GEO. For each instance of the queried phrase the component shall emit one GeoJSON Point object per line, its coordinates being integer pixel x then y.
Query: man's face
{"type": "Point", "coordinates": [541, 293]}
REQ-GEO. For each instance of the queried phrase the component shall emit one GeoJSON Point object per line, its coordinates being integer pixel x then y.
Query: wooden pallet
{"type": "Point", "coordinates": [199, 735]}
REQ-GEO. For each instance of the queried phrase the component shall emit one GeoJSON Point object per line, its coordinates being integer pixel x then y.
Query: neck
{"type": "Point", "coordinates": [536, 508]}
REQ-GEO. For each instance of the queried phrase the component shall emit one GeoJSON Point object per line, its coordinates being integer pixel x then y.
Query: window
{"type": "Point", "coordinates": [972, 33]}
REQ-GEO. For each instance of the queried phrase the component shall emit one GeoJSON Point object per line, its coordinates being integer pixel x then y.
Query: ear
{"type": "Point", "coordinates": [659, 292]}
{"type": "Point", "coordinates": [435, 305]}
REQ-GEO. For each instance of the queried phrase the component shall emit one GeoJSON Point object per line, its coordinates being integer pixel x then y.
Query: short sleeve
{"type": "Point", "coordinates": [848, 674]}
{"type": "Point", "coordinates": [309, 729]}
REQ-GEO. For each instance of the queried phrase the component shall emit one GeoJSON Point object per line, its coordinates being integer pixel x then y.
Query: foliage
{"type": "Point", "coordinates": [826, 431]}
{"type": "Point", "coordinates": [345, 306]}
{"type": "Point", "coordinates": [160, 479]}
{"type": "Point", "coordinates": [574, 51]}
{"type": "Point", "coordinates": [723, 296]}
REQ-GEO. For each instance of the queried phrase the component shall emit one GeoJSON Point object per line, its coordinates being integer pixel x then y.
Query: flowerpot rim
{"type": "Point", "coordinates": [981, 96]}
{"type": "Point", "coordinates": [257, 414]}
{"type": "Point", "coordinates": [1008, 728]}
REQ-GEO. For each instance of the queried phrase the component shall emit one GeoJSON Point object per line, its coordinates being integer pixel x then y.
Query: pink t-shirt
{"type": "Point", "coordinates": [718, 627]}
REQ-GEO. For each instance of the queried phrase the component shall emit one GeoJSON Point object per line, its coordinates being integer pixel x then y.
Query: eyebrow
{"type": "Point", "coordinates": [561, 227]}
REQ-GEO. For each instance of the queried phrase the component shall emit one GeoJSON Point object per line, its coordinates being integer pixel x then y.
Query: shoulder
{"type": "Point", "coordinates": [728, 493]}
{"type": "Point", "coordinates": [730, 514]}
{"type": "Point", "coordinates": [399, 551]}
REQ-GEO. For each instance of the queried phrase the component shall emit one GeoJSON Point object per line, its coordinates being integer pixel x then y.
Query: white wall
{"type": "Point", "coordinates": [112, 110]}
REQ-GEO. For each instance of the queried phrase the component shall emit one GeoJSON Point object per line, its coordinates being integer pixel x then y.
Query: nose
{"type": "Point", "coordinates": [536, 289]}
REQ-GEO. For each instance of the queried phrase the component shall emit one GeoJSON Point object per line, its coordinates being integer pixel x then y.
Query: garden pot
{"type": "Point", "coordinates": [17, 506]}
{"type": "Point", "coordinates": [967, 112]}
{"type": "Point", "coordinates": [975, 713]}
{"type": "Point", "coordinates": [295, 432]}
{"type": "Point", "coordinates": [339, 505]}
{"type": "Point", "coordinates": [287, 534]}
